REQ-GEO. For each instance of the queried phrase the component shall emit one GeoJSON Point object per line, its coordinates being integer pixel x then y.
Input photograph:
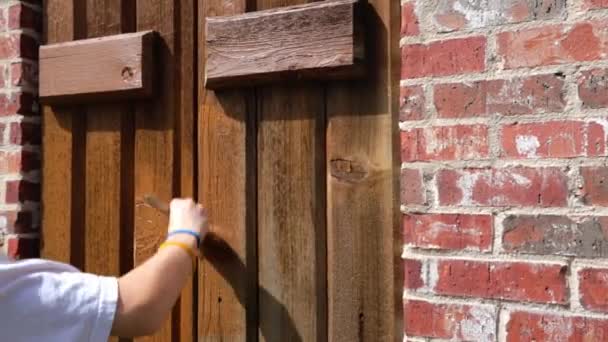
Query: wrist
{"type": "Point", "coordinates": [187, 239]}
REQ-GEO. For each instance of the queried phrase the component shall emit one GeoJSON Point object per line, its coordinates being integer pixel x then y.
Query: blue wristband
{"type": "Point", "coordinates": [189, 232]}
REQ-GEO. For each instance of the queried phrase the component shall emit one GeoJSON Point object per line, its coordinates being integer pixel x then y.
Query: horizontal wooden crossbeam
{"type": "Point", "coordinates": [101, 69]}
{"type": "Point", "coordinates": [321, 40]}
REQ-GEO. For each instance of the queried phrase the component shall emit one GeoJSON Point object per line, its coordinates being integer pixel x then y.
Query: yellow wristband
{"type": "Point", "coordinates": [183, 246]}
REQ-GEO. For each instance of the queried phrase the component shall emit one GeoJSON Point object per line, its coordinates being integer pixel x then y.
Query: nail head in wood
{"type": "Point", "coordinates": [111, 68]}
{"type": "Point", "coordinates": [319, 41]}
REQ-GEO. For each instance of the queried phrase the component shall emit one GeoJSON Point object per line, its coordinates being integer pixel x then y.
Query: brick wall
{"type": "Point", "coordinates": [20, 23]}
{"type": "Point", "coordinates": [504, 122]}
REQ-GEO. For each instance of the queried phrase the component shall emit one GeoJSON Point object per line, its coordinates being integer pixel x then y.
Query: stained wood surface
{"type": "Point", "coordinates": [312, 41]}
{"type": "Point", "coordinates": [63, 168]}
{"type": "Point", "coordinates": [291, 209]}
{"type": "Point", "coordinates": [364, 273]}
{"type": "Point", "coordinates": [186, 152]}
{"type": "Point", "coordinates": [227, 280]}
{"type": "Point", "coordinates": [155, 160]}
{"type": "Point", "coordinates": [111, 67]}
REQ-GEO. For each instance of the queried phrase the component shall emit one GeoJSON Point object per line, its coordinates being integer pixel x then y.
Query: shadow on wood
{"type": "Point", "coordinates": [225, 260]}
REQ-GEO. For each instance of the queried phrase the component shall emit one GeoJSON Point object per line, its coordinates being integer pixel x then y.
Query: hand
{"type": "Point", "coordinates": [185, 214]}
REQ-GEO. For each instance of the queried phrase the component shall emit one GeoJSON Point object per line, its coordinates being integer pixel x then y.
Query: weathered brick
{"type": "Point", "coordinates": [443, 58]}
{"type": "Point", "coordinates": [412, 103]}
{"type": "Point", "coordinates": [19, 191]}
{"type": "Point", "coordinates": [560, 235]}
{"type": "Point", "coordinates": [20, 16]}
{"type": "Point", "coordinates": [593, 4]}
{"type": "Point", "coordinates": [413, 274]}
{"type": "Point", "coordinates": [518, 281]}
{"type": "Point", "coordinates": [17, 44]}
{"type": "Point", "coordinates": [24, 74]}
{"type": "Point", "coordinates": [595, 185]}
{"type": "Point", "coordinates": [457, 14]}
{"type": "Point", "coordinates": [18, 161]}
{"type": "Point", "coordinates": [533, 326]}
{"type": "Point", "coordinates": [554, 44]}
{"type": "Point", "coordinates": [23, 248]}
{"type": "Point", "coordinates": [516, 186]}
{"type": "Point", "coordinates": [529, 95]}
{"type": "Point", "coordinates": [593, 88]}
{"type": "Point", "coordinates": [409, 20]}
{"type": "Point", "coordinates": [448, 231]}
{"type": "Point", "coordinates": [18, 103]}
{"type": "Point", "coordinates": [593, 287]}
{"type": "Point", "coordinates": [450, 321]}
{"type": "Point", "coordinates": [554, 139]}
{"type": "Point", "coordinates": [445, 143]}
{"type": "Point", "coordinates": [22, 133]}
{"type": "Point", "coordinates": [412, 187]}
{"type": "Point", "coordinates": [16, 222]}
{"type": "Point", "coordinates": [3, 19]}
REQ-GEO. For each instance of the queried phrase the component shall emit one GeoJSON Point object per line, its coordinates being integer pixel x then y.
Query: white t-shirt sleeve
{"type": "Point", "coordinates": [46, 301]}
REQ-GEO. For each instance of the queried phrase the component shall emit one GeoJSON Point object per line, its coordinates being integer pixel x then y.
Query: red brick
{"type": "Point", "coordinates": [532, 326]}
{"type": "Point", "coordinates": [25, 133]}
{"type": "Point", "coordinates": [559, 235]}
{"type": "Point", "coordinates": [23, 248]}
{"type": "Point", "coordinates": [530, 95]}
{"type": "Point", "coordinates": [593, 88]}
{"type": "Point", "coordinates": [443, 58]}
{"type": "Point", "coordinates": [21, 190]}
{"type": "Point", "coordinates": [412, 187]}
{"type": "Point", "coordinates": [17, 222]}
{"type": "Point", "coordinates": [592, 4]}
{"type": "Point", "coordinates": [593, 287]}
{"type": "Point", "coordinates": [518, 281]}
{"type": "Point", "coordinates": [595, 185]}
{"type": "Point", "coordinates": [555, 44]}
{"type": "Point", "coordinates": [17, 44]}
{"type": "Point", "coordinates": [448, 231]}
{"type": "Point", "coordinates": [413, 274]}
{"type": "Point", "coordinates": [411, 103]}
{"type": "Point", "coordinates": [556, 139]}
{"type": "Point", "coordinates": [3, 19]}
{"type": "Point", "coordinates": [409, 20]}
{"type": "Point", "coordinates": [445, 143]}
{"type": "Point", "coordinates": [24, 74]}
{"type": "Point", "coordinates": [450, 321]}
{"type": "Point", "coordinates": [19, 161]}
{"type": "Point", "coordinates": [455, 14]}
{"type": "Point", "coordinates": [516, 186]}
{"type": "Point", "coordinates": [20, 16]}
{"type": "Point", "coordinates": [17, 103]}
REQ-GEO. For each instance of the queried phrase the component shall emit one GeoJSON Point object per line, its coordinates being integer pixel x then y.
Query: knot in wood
{"type": "Point", "coordinates": [127, 73]}
{"type": "Point", "coordinates": [348, 170]}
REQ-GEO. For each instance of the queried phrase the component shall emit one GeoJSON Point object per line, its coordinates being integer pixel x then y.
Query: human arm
{"type": "Point", "coordinates": [148, 292]}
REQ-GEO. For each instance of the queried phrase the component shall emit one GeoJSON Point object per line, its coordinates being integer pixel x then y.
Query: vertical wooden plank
{"type": "Point", "coordinates": [186, 148]}
{"type": "Point", "coordinates": [291, 209]}
{"type": "Point", "coordinates": [227, 284]}
{"type": "Point", "coordinates": [364, 239]}
{"type": "Point", "coordinates": [291, 198]}
{"type": "Point", "coordinates": [108, 226]}
{"type": "Point", "coordinates": [103, 160]}
{"type": "Point", "coordinates": [155, 168]}
{"type": "Point", "coordinates": [63, 153]}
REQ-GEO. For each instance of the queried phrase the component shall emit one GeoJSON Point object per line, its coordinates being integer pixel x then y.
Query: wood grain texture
{"type": "Point", "coordinates": [364, 267]}
{"type": "Point", "coordinates": [291, 209]}
{"type": "Point", "coordinates": [227, 284]}
{"type": "Point", "coordinates": [63, 153]}
{"type": "Point", "coordinates": [186, 152]}
{"type": "Point", "coordinates": [110, 68]}
{"type": "Point", "coordinates": [311, 41]}
{"type": "Point", "coordinates": [155, 142]}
